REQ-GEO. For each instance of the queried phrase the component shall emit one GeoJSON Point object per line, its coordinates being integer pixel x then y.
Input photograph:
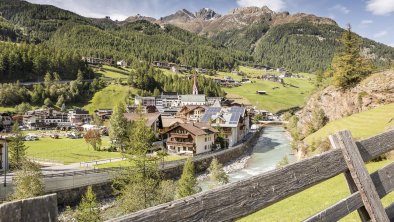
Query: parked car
{"type": "Point", "coordinates": [31, 138]}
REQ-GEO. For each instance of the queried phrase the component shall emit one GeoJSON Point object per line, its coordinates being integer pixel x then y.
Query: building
{"type": "Point", "coordinates": [121, 63]}
{"type": "Point", "coordinates": [196, 100]}
{"type": "Point", "coordinates": [42, 119]}
{"type": "Point", "coordinates": [191, 138]}
{"type": "Point", "coordinates": [98, 61]}
{"type": "Point", "coordinates": [79, 116]}
{"type": "Point", "coordinates": [5, 122]}
{"type": "Point", "coordinates": [170, 121]}
{"type": "Point", "coordinates": [234, 121]}
{"type": "Point", "coordinates": [191, 113]}
{"type": "Point", "coordinates": [153, 120]}
{"type": "Point", "coordinates": [103, 114]}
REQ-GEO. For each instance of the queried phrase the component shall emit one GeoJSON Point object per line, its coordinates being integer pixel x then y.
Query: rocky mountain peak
{"type": "Point", "coordinates": [207, 14]}
{"type": "Point", "coordinates": [252, 10]}
{"type": "Point", "coordinates": [181, 15]}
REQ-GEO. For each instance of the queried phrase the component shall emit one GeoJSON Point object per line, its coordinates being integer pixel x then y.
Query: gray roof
{"type": "Point", "coordinates": [230, 116]}
{"type": "Point", "coordinates": [193, 98]}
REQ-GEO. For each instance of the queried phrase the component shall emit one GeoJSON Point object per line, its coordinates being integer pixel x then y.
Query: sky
{"type": "Point", "coordinates": [373, 19]}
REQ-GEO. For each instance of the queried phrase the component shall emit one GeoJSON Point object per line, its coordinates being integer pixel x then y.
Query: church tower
{"type": "Point", "coordinates": [195, 89]}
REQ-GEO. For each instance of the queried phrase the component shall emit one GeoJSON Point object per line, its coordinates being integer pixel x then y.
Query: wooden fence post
{"type": "Point", "coordinates": [343, 140]}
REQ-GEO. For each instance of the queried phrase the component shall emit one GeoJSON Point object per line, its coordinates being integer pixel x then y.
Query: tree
{"type": "Point", "coordinates": [48, 102]}
{"type": "Point", "coordinates": [349, 67]}
{"type": "Point", "coordinates": [283, 162]}
{"type": "Point", "coordinates": [27, 182]}
{"type": "Point", "coordinates": [140, 187]}
{"type": "Point", "coordinates": [217, 175]}
{"type": "Point", "coordinates": [187, 184]}
{"type": "Point", "coordinates": [118, 128]}
{"type": "Point", "coordinates": [93, 138]}
{"type": "Point", "coordinates": [60, 101]}
{"type": "Point", "coordinates": [22, 108]}
{"type": "Point", "coordinates": [88, 209]}
{"type": "Point", "coordinates": [17, 148]}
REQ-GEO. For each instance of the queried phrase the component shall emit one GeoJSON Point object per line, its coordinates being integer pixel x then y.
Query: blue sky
{"type": "Point", "coordinates": [373, 19]}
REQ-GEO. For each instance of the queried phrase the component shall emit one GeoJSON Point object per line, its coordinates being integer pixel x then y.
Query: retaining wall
{"type": "Point", "coordinates": [71, 197]}
{"type": "Point", "coordinates": [38, 209]}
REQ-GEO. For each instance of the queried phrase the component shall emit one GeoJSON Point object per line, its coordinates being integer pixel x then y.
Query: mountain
{"type": "Point", "coordinates": [298, 42]}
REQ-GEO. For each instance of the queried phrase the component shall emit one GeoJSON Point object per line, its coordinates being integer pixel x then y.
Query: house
{"type": "Point", "coordinates": [234, 121]}
{"type": "Point", "coordinates": [103, 114]}
{"type": "Point", "coordinates": [45, 119]}
{"type": "Point", "coordinates": [170, 121]}
{"type": "Point", "coordinates": [79, 116]}
{"type": "Point", "coordinates": [272, 78]}
{"type": "Point", "coordinates": [214, 100]}
{"type": "Point", "coordinates": [98, 61]}
{"type": "Point", "coordinates": [281, 69]}
{"type": "Point", "coordinates": [191, 138]}
{"type": "Point", "coordinates": [153, 120]}
{"type": "Point", "coordinates": [121, 63]}
{"type": "Point", "coordinates": [261, 92]}
{"type": "Point", "coordinates": [197, 100]}
{"type": "Point", "coordinates": [184, 68]}
{"type": "Point", "coordinates": [145, 101]}
{"type": "Point", "coordinates": [5, 122]}
{"type": "Point", "coordinates": [191, 113]}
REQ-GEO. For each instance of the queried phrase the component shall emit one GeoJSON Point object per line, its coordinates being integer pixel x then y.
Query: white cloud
{"type": "Point", "coordinates": [275, 5]}
{"type": "Point", "coordinates": [380, 7]}
{"type": "Point", "coordinates": [366, 22]}
{"type": "Point", "coordinates": [391, 44]}
{"type": "Point", "coordinates": [380, 34]}
{"type": "Point", "coordinates": [341, 9]}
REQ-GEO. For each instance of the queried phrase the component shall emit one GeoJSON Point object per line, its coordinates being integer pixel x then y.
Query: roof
{"type": "Point", "coordinates": [230, 116]}
{"type": "Point", "coordinates": [193, 98]}
{"type": "Point", "coordinates": [170, 121]}
{"type": "Point", "coordinates": [196, 129]}
{"type": "Point", "coordinates": [150, 117]}
{"type": "Point", "coordinates": [190, 108]}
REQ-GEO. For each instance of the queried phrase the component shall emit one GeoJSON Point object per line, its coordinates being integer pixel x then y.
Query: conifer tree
{"type": "Point", "coordinates": [349, 67]}
{"type": "Point", "coordinates": [88, 209]}
{"type": "Point", "coordinates": [187, 185]}
{"type": "Point", "coordinates": [217, 175]}
{"type": "Point", "coordinates": [17, 148]}
{"type": "Point", "coordinates": [118, 128]}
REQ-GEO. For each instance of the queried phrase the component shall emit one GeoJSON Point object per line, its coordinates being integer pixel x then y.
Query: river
{"type": "Point", "coordinates": [271, 147]}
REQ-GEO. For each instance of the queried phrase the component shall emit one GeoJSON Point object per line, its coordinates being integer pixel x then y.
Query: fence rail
{"type": "Point", "coordinates": [261, 191]}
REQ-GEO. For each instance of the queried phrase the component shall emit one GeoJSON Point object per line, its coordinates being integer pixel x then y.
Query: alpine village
{"type": "Point", "coordinates": [252, 114]}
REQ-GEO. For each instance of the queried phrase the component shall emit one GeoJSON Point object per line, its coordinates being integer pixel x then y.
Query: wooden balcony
{"type": "Point", "coordinates": [177, 143]}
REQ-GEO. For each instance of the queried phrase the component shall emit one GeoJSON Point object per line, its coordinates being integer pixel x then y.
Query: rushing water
{"type": "Point", "coordinates": [271, 147]}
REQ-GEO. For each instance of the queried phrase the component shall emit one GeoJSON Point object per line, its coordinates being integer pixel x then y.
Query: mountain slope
{"type": "Point", "coordinates": [298, 42]}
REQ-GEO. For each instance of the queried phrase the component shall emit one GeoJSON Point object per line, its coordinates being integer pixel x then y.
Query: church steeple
{"type": "Point", "coordinates": [195, 89]}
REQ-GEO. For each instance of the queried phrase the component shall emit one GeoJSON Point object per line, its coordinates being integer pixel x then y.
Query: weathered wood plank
{"type": "Point", "coordinates": [343, 140]}
{"type": "Point", "coordinates": [242, 198]}
{"type": "Point", "coordinates": [362, 212]}
{"type": "Point", "coordinates": [390, 212]}
{"type": "Point", "coordinates": [384, 185]}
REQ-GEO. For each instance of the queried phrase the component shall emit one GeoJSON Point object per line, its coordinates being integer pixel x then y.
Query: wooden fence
{"type": "Point", "coordinates": [239, 199]}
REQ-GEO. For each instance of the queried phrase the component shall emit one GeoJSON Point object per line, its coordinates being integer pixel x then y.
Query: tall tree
{"type": "Point", "coordinates": [88, 210]}
{"type": "Point", "coordinates": [187, 185]}
{"type": "Point", "coordinates": [17, 148]}
{"type": "Point", "coordinates": [93, 138]}
{"type": "Point", "coordinates": [349, 67]}
{"type": "Point", "coordinates": [118, 128]}
{"type": "Point", "coordinates": [217, 174]}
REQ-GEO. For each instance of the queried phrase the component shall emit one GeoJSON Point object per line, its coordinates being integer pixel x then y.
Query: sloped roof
{"type": "Point", "coordinates": [170, 121]}
{"type": "Point", "coordinates": [230, 116]}
{"type": "Point", "coordinates": [196, 129]}
{"type": "Point", "coordinates": [193, 98]}
{"type": "Point", "coordinates": [150, 117]}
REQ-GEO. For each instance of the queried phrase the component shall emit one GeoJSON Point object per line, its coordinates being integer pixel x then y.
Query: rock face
{"type": "Point", "coordinates": [207, 22]}
{"type": "Point", "coordinates": [374, 91]}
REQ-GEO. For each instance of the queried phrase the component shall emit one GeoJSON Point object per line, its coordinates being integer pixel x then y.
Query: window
{"type": "Point", "coordinates": [205, 139]}
{"type": "Point", "coordinates": [205, 147]}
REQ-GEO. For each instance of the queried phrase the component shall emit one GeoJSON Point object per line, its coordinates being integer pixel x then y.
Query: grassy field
{"type": "Point", "coordinates": [255, 72]}
{"type": "Point", "coordinates": [112, 72]}
{"type": "Point", "coordinates": [7, 109]}
{"type": "Point", "coordinates": [108, 97]}
{"type": "Point", "coordinates": [66, 150]}
{"type": "Point", "coordinates": [362, 125]}
{"type": "Point", "coordinates": [276, 99]}
{"type": "Point", "coordinates": [313, 200]}
{"type": "Point", "coordinates": [126, 163]}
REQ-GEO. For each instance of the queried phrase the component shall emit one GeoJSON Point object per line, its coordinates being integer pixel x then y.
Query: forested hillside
{"type": "Point", "coordinates": [307, 47]}
{"type": "Point", "coordinates": [145, 41]}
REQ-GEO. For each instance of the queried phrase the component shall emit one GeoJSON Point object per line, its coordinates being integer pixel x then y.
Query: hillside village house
{"type": "Point", "coordinates": [45, 119]}
{"type": "Point", "coordinates": [121, 63]}
{"type": "Point", "coordinates": [234, 121]}
{"type": "Point", "coordinates": [191, 138]}
{"type": "Point", "coordinates": [191, 113]}
{"type": "Point", "coordinates": [153, 120]}
{"type": "Point", "coordinates": [5, 122]}
{"type": "Point", "coordinates": [79, 116]}
{"type": "Point", "coordinates": [170, 121]}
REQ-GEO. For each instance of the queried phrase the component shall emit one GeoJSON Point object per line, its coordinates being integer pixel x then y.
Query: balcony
{"type": "Point", "coordinates": [178, 143]}
{"type": "Point", "coordinates": [179, 135]}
